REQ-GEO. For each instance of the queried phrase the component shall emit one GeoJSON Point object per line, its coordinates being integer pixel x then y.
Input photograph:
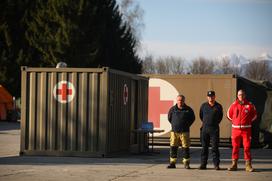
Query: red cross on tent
{"type": "Point", "coordinates": [156, 107]}
{"type": "Point", "coordinates": [64, 91]}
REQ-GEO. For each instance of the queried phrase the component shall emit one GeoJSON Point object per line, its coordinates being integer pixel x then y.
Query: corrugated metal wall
{"type": "Point", "coordinates": [125, 115]}
{"type": "Point", "coordinates": [119, 115]}
{"type": "Point", "coordinates": [142, 100]}
{"type": "Point", "coordinates": [94, 123]}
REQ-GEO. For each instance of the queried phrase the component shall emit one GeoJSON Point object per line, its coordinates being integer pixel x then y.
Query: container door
{"type": "Point", "coordinates": [134, 147]}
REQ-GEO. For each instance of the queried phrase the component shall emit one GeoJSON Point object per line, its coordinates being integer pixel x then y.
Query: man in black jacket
{"type": "Point", "coordinates": [181, 118]}
{"type": "Point", "coordinates": [211, 114]}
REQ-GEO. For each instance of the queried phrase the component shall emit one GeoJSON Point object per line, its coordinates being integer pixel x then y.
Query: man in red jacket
{"type": "Point", "coordinates": [241, 114]}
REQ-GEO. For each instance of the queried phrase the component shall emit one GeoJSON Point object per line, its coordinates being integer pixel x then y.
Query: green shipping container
{"type": "Point", "coordinates": [82, 111]}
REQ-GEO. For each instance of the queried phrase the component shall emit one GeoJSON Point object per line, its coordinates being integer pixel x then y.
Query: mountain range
{"type": "Point", "coordinates": [239, 61]}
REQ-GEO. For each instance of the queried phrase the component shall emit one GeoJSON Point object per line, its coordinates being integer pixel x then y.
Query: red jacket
{"type": "Point", "coordinates": [242, 115]}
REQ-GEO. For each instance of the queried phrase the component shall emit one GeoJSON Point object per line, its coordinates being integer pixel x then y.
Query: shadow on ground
{"type": "Point", "coordinates": [6, 125]}
{"type": "Point", "coordinates": [146, 158]}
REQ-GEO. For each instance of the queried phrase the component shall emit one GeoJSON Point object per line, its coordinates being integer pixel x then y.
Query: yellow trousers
{"type": "Point", "coordinates": [179, 139]}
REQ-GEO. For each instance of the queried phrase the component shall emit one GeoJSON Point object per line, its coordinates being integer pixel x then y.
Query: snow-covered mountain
{"type": "Point", "coordinates": [240, 62]}
{"type": "Point", "coordinates": [264, 57]}
{"type": "Point", "coordinates": [235, 60]}
{"type": "Point", "coordinates": [267, 58]}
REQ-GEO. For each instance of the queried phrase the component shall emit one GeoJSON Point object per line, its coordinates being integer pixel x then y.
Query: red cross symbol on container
{"type": "Point", "coordinates": [161, 97]}
{"type": "Point", "coordinates": [156, 107]}
{"type": "Point", "coordinates": [64, 91]}
{"type": "Point", "coordinates": [125, 94]}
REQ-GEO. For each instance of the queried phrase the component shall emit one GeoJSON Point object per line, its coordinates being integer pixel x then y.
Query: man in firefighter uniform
{"type": "Point", "coordinates": [211, 114]}
{"type": "Point", "coordinates": [181, 118]}
{"type": "Point", "coordinates": [241, 114]}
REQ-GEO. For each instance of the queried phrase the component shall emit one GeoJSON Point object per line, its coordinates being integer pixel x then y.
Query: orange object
{"type": "Point", "coordinates": [6, 103]}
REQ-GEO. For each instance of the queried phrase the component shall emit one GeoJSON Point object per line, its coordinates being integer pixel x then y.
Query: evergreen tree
{"type": "Point", "coordinates": [12, 43]}
{"type": "Point", "coordinates": [118, 42]}
{"type": "Point", "coordinates": [101, 39]}
{"type": "Point", "coordinates": [47, 32]}
{"type": "Point", "coordinates": [84, 33]}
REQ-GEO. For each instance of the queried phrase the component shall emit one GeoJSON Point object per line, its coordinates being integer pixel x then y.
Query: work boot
{"type": "Point", "coordinates": [249, 166]}
{"type": "Point", "coordinates": [171, 165]}
{"type": "Point", "coordinates": [233, 166]}
{"type": "Point", "coordinates": [202, 167]}
{"type": "Point", "coordinates": [186, 165]}
{"type": "Point", "coordinates": [216, 167]}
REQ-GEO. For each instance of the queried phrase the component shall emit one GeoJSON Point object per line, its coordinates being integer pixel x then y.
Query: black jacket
{"type": "Point", "coordinates": [181, 119]}
{"type": "Point", "coordinates": [211, 116]}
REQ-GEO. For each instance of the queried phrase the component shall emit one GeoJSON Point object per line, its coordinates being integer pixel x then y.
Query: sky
{"type": "Point", "coordinates": [207, 28]}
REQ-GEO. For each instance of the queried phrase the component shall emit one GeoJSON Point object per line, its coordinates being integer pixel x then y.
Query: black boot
{"type": "Point", "coordinates": [187, 165]}
{"type": "Point", "coordinates": [216, 167]}
{"type": "Point", "coordinates": [171, 165]}
{"type": "Point", "coordinates": [173, 156]}
{"type": "Point", "coordinates": [202, 167]}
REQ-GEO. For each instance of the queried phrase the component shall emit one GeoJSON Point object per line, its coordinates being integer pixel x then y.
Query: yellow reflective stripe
{"type": "Point", "coordinates": [185, 160]}
{"type": "Point", "coordinates": [173, 160]}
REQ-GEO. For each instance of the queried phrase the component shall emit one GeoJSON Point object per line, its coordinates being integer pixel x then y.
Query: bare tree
{"type": "Point", "coordinates": [133, 15]}
{"type": "Point", "coordinates": [258, 70]}
{"type": "Point", "coordinates": [225, 67]}
{"type": "Point", "coordinates": [161, 66]}
{"type": "Point", "coordinates": [176, 65]}
{"type": "Point", "coordinates": [202, 66]}
{"type": "Point", "coordinates": [148, 65]}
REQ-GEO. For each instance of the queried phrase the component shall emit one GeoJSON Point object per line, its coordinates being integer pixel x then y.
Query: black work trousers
{"type": "Point", "coordinates": [210, 135]}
